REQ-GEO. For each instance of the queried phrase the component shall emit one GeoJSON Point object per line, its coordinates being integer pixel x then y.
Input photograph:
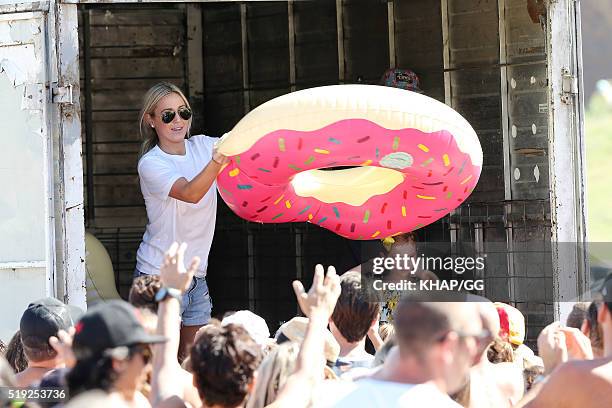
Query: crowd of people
{"type": "Point", "coordinates": [163, 349]}
{"type": "Point", "coordinates": [434, 354]}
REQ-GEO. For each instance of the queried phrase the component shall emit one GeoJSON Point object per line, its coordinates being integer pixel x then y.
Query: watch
{"type": "Point", "coordinates": [165, 292]}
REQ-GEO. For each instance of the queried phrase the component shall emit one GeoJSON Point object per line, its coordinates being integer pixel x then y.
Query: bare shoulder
{"type": "Point", "coordinates": [583, 383]}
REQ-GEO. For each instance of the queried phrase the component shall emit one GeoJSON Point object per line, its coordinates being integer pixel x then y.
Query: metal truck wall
{"type": "Point", "coordinates": [485, 58]}
{"type": "Point", "coordinates": [26, 243]}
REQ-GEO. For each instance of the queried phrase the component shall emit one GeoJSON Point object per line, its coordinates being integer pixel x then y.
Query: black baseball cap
{"type": "Point", "coordinates": [107, 326]}
{"type": "Point", "coordinates": [44, 318]}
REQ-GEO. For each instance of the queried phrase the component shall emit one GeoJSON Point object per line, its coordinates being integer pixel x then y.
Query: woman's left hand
{"type": "Point", "coordinates": [219, 158]}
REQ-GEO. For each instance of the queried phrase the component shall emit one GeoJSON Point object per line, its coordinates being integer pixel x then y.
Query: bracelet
{"type": "Point", "coordinates": [220, 164]}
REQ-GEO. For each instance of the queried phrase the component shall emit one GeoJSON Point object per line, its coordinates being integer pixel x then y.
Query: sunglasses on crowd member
{"type": "Point", "coordinates": [482, 338]}
{"type": "Point", "coordinates": [168, 116]}
{"type": "Point", "coordinates": [144, 350]}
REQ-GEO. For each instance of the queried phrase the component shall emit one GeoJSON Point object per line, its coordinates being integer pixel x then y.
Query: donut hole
{"type": "Point", "coordinates": [353, 185]}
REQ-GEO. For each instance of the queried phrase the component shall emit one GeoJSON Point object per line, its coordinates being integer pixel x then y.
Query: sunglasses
{"type": "Point", "coordinates": [144, 350]}
{"type": "Point", "coordinates": [169, 115]}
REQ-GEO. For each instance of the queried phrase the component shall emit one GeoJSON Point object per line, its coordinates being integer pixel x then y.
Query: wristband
{"type": "Point", "coordinates": [166, 292]}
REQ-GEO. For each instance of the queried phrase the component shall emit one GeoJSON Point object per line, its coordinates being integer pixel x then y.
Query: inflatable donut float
{"type": "Point", "coordinates": [399, 161]}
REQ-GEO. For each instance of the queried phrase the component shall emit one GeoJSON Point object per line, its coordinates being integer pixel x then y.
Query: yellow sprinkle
{"type": "Point", "coordinates": [366, 163]}
{"type": "Point", "coordinates": [466, 180]}
{"type": "Point", "coordinates": [234, 172]}
{"type": "Point", "coordinates": [321, 151]}
{"type": "Point", "coordinates": [446, 160]}
{"type": "Point", "coordinates": [278, 199]}
{"type": "Point", "coordinates": [425, 197]}
{"type": "Point", "coordinates": [309, 217]}
{"type": "Point", "coordinates": [423, 147]}
{"type": "Point", "coordinates": [377, 233]}
{"type": "Point", "coordinates": [288, 204]}
{"type": "Point", "coordinates": [403, 211]}
{"type": "Point", "coordinates": [397, 233]}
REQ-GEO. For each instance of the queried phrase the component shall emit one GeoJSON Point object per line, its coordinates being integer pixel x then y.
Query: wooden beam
{"type": "Point", "coordinates": [195, 66]}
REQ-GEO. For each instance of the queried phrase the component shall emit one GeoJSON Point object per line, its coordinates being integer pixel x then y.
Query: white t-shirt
{"type": "Point", "coordinates": [385, 394]}
{"type": "Point", "coordinates": [171, 219]}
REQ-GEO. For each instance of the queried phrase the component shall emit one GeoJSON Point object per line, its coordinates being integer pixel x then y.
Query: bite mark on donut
{"type": "Point", "coordinates": [397, 160]}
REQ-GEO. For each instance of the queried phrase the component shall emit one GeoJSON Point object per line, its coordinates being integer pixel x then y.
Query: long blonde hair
{"type": "Point", "coordinates": [150, 100]}
{"type": "Point", "coordinates": [273, 373]}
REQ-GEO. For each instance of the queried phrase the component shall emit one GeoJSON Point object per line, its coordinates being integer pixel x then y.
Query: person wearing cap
{"type": "Point", "coordinates": [582, 382]}
{"type": "Point", "coordinates": [492, 385]}
{"type": "Point", "coordinates": [42, 319]}
{"type": "Point", "coordinates": [112, 351]}
{"type": "Point", "coordinates": [512, 330]}
{"type": "Point", "coordinates": [255, 325]}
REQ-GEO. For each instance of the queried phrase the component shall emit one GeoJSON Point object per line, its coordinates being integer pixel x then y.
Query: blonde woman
{"type": "Point", "coordinates": [177, 178]}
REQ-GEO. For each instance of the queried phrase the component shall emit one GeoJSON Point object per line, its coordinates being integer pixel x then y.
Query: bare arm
{"type": "Point", "coordinates": [374, 335]}
{"type": "Point", "coordinates": [193, 191]}
{"type": "Point", "coordinates": [318, 304]}
{"type": "Point", "coordinates": [167, 381]}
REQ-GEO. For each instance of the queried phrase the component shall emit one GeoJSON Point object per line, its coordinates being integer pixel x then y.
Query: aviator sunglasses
{"type": "Point", "coordinates": [168, 115]}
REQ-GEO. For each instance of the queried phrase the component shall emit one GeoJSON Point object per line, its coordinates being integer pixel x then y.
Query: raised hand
{"type": "Point", "coordinates": [322, 296]}
{"type": "Point", "coordinates": [62, 344]}
{"type": "Point", "coordinates": [552, 346]}
{"type": "Point", "coordinates": [172, 272]}
{"type": "Point", "coordinates": [578, 345]}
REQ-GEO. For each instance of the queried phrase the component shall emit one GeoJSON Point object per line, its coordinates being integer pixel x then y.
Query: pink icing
{"type": "Point", "coordinates": [440, 178]}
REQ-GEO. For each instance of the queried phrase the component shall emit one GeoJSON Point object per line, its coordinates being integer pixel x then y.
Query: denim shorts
{"type": "Point", "coordinates": [196, 306]}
